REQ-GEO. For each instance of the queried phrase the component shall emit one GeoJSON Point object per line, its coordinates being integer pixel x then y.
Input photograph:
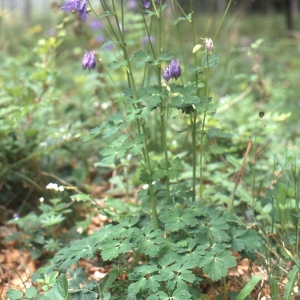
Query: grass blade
{"type": "Point", "coordinates": [292, 277]}
{"type": "Point", "coordinates": [248, 288]}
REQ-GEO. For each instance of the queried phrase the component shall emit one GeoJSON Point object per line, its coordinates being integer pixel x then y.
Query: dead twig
{"type": "Point", "coordinates": [239, 177]}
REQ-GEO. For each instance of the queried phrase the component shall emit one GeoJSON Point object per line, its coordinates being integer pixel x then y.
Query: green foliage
{"type": "Point", "coordinates": [167, 136]}
{"type": "Point", "coordinates": [247, 289]}
{"type": "Point", "coordinates": [37, 232]}
{"type": "Point", "coordinates": [293, 276]}
{"type": "Point", "coordinates": [203, 241]}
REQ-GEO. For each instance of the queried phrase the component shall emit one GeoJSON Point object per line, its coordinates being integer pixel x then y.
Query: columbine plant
{"type": "Point", "coordinates": [172, 239]}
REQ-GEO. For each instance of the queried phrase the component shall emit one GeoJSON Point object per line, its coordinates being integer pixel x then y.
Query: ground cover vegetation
{"type": "Point", "coordinates": [178, 130]}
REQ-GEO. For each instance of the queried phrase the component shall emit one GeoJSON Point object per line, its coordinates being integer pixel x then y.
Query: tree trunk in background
{"type": "Point", "coordinates": [288, 14]}
{"type": "Point", "coordinates": [27, 12]}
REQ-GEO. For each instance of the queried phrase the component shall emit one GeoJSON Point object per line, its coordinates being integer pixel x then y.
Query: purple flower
{"type": "Point", "coordinates": [147, 3]}
{"type": "Point", "coordinates": [83, 14]}
{"type": "Point", "coordinates": [95, 25]}
{"type": "Point", "coordinates": [166, 73]}
{"type": "Point", "coordinates": [77, 6]}
{"type": "Point", "coordinates": [172, 71]}
{"type": "Point", "coordinates": [146, 39]}
{"type": "Point", "coordinates": [71, 5]}
{"type": "Point", "coordinates": [89, 60]}
{"type": "Point", "coordinates": [132, 4]}
{"type": "Point", "coordinates": [175, 70]}
{"type": "Point", "coordinates": [99, 38]}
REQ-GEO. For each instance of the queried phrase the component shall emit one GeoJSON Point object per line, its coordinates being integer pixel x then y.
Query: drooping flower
{"type": "Point", "coordinates": [166, 73]}
{"type": "Point", "coordinates": [209, 46]}
{"type": "Point", "coordinates": [82, 12]}
{"type": "Point", "coordinates": [78, 6]}
{"type": "Point", "coordinates": [147, 3]}
{"type": "Point", "coordinates": [172, 70]}
{"type": "Point", "coordinates": [89, 60]}
{"type": "Point", "coordinates": [175, 70]}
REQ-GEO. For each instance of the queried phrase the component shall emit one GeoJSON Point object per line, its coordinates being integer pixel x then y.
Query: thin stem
{"type": "Point", "coordinates": [193, 118]}
{"type": "Point", "coordinates": [203, 130]}
{"type": "Point", "coordinates": [183, 57]}
{"type": "Point", "coordinates": [165, 148]}
{"type": "Point", "coordinates": [224, 15]}
{"type": "Point", "coordinates": [163, 109]}
{"type": "Point", "coordinates": [140, 126]}
{"type": "Point", "coordinates": [239, 177]}
{"type": "Point", "coordinates": [201, 157]}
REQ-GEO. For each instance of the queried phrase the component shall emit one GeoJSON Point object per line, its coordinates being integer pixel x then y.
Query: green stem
{"type": "Point", "coordinates": [151, 191]}
{"type": "Point", "coordinates": [203, 131]}
{"type": "Point", "coordinates": [163, 110]}
{"type": "Point", "coordinates": [165, 148]}
{"type": "Point", "coordinates": [193, 119]}
{"type": "Point", "coordinates": [183, 57]}
{"type": "Point", "coordinates": [141, 127]}
{"type": "Point", "coordinates": [224, 15]}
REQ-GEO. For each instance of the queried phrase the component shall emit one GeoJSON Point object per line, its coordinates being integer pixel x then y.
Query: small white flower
{"type": "Point", "coordinates": [79, 230]}
{"type": "Point", "coordinates": [42, 199]}
{"type": "Point", "coordinates": [66, 136]}
{"type": "Point", "coordinates": [105, 105]}
{"type": "Point", "coordinates": [61, 188]}
{"type": "Point", "coordinates": [43, 144]}
{"type": "Point", "coordinates": [52, 186]}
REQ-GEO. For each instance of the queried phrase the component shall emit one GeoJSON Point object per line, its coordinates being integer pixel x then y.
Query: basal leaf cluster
{"type": "Point", "coordinates": [192, 237]}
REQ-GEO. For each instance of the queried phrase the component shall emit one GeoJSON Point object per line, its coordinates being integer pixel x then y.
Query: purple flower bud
{"type": "Point", "coordinates": [166, 73]}
{"type": "Point", "coordinates": [175, 69]}
{"type": "Point", "coordinates": [77, 6]}
{"type": "Point", "coordinates": [89, 60]}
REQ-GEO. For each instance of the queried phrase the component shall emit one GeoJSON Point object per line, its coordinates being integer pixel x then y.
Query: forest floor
{"type": "Point", "coordinates": [17, 267]}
